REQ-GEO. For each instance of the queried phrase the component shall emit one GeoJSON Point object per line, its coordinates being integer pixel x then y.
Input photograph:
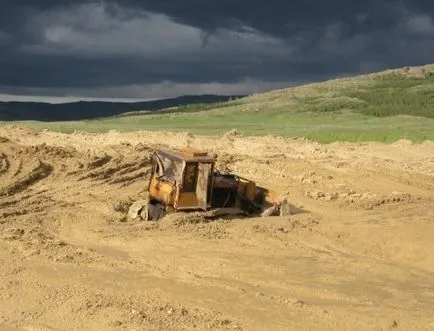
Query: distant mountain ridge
{"type": "Point", "coordinates": [39, 111]}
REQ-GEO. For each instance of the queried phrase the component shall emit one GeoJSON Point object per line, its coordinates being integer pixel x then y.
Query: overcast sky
{"type": "Point", "coordinates": [162, 48]}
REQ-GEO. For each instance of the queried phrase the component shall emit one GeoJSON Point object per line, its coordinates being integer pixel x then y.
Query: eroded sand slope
{"type": "Point", "coordinates": [355, 255]}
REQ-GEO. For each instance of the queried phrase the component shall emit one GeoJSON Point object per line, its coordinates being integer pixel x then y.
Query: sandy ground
{"type": "Point", "coordinates": [356, 254]}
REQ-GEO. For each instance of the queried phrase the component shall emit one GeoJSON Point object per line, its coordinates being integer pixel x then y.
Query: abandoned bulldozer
{"type": "Point", "coordinates": [186, 180]}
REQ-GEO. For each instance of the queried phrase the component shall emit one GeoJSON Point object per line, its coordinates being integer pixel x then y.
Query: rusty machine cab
{"type": "Point", "coordinates": [181, 179]}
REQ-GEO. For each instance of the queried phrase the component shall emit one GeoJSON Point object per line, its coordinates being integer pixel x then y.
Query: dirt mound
{"type": "Point", "coordinates": [18, 131]}
{"type": "Point", "coordinates": [362, 200]}
{"type": "Point", "coordinates": [233, 134]}
{"type": "Point", "coordinates": [118, 170]}
{"type": "Point", "coordinates": [41, 171]}
{"type": "Point", "coordinates": [4, 163]}
{"type": "Point", "coordinates": [52, 152]}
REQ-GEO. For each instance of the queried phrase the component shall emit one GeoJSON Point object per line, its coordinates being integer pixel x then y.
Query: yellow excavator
{"type": "Point", "coordinates": [187, 180]}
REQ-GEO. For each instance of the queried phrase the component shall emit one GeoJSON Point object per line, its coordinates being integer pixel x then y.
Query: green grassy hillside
{"type": "Point", "coordinates": [378, 107]}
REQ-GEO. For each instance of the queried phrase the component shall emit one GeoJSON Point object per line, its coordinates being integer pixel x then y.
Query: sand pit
{"type": "Point", "coordinates": [356, 254]}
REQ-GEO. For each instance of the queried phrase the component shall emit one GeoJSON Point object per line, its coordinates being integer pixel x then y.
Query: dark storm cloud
{"type": "Point", "coordinates": [92, 45]}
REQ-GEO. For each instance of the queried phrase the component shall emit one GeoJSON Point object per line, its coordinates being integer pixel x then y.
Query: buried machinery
{"type": "Point", "coordinates": [186, 180]}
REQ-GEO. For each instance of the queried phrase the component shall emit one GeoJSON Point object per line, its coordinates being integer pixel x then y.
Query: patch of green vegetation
{"type": "Point", "coordinates": [206, 106]}
{"type": "Point", "coordinates": [328, 105]}
{"type": "Point", "coordinates": [385, 95]}
{"type": "Point", "coordinates": [383, 107]}
{"type": "Point", "coordinates": [321, 127]}
{"type": "Point", "coordinates": [396, 94]}
{"type": "Point", "coordinates": [186, 108]}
